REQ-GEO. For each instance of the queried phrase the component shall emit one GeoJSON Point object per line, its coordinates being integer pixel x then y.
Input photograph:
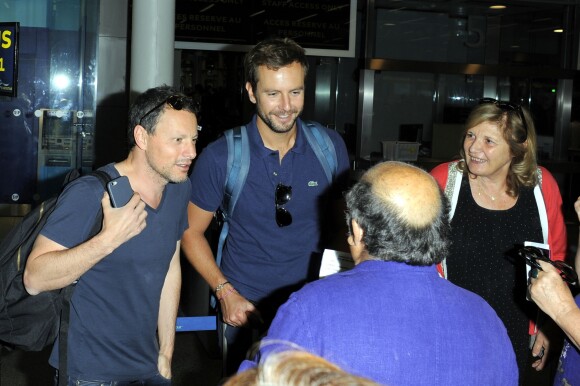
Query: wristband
{"type": "Point", "coordinates": [220, 287]}
{"type": "Point", "coordinates": [228, 291]}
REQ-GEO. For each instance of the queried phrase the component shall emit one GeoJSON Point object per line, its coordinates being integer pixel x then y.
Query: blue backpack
{"type": "Point", "coordinates": [239, 164]}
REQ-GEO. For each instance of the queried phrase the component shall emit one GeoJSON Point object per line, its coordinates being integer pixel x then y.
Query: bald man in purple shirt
{"type": "Point", "coordinates": [392, 318]}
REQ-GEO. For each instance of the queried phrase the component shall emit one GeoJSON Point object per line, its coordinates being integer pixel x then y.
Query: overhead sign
{"type": "Point", "coordinates": [9, 58]}
{"type": "Point", "coordinates": [322, 27]}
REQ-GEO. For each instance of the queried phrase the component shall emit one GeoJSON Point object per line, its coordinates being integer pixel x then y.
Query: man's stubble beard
{"type": "Point", "coordinates": [272, 126]}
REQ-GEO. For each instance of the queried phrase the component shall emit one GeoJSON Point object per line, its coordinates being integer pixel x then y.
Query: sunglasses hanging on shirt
{"type": "Point", "coordinates": [282, 195]}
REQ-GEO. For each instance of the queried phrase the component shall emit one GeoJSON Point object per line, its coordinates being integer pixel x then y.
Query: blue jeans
{"type": "Point", "coordinates": [156, 380]}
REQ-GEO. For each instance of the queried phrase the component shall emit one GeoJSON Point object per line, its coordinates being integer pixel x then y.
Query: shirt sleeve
{"type": "Point", "coordinates": [75, 213]}
{"type": "Point", "coordinates": [208, 176]}
{"type": "Point", "coordinates": [184, 222]}
{"type": "Point", "coordinates": [556, 226]}
{"type": "Point", "coordinates": [343, 165]}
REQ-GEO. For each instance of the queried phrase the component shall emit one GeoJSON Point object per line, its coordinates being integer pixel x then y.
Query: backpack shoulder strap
{"type": "Point", "coordinates": [237, 168]}
{"type": "Point", "coordinates": [103, 176]}
{"type": "Point", "coordinates": [320, 142]}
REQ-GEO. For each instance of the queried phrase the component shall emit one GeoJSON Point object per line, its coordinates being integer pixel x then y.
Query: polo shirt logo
{"type": "Point", "coordinates": [313, 183]}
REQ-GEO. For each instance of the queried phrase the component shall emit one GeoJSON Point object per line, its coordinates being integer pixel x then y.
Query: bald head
{"type": "Point", "coordinates": [411, 192]}
{"type": "Point", "coordinates": [399, 214]}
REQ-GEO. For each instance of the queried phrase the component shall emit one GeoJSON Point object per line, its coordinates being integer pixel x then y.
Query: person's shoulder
{"type": "Point", "coordinates": [333, 134]}
{"type": "Point", "coordinates": [340, 149]}
{"type": "Point", "coordinates": [547, 180]}
{"type": "Point", "coordinates": [215, 153]}
{"type": "Point", "coordinates": [110, 170]}
{"type": "Point", "coordinates": [217, 145]}
{"type": "Point", "coordinates": [441, 173]}
{"type": "Point", "coordinates": [546, 175]}
{"type": "Point", "coordinates": [468, 298]}
{"type": "Point", "coordinates": [442, 167]}
{"type": "Point", "coordinates": [80, 198]}
{"type": "Point", "coordinates": [90, 181]}
{"type": "Point", "coordinates": [332, 282]}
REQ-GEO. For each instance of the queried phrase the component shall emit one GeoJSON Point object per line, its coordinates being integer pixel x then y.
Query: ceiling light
{"type": "Point", "coordinates": [559, 30]}
{"type": "Point", "coordinates": [498, 6]}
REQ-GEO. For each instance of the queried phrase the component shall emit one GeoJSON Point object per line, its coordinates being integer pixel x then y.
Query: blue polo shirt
{"type": "Point", "coordinates": [259, 256]}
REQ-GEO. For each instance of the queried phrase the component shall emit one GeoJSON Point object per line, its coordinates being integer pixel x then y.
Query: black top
{"type": "Point", "coordinates": [482, 259]}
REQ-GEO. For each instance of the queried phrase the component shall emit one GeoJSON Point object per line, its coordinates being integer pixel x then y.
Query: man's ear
{"type": "Point", "coordinates": [141, 136]}
{"type": "Point", "coordinates": [357, 232]}
{"type": "Point", "coordinates": [250, 93]}
{"type": "Point", "coordinates": [355, 241]}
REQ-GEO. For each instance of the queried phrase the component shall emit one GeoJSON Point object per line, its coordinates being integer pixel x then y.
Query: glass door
{"type": "Point", "coordinates": [47, 128]}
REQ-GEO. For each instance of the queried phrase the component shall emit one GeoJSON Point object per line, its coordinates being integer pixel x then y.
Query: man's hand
{"type": "Point", "coordinates": [239, 312]}
{"type": "Point", "coordinates": [122, 224]}
{"type": "Point", "coordinates": [164, 366]}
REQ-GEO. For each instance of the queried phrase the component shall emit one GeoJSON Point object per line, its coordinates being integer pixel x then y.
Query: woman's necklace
{"type": "Point", "coordinates": [482, 189]}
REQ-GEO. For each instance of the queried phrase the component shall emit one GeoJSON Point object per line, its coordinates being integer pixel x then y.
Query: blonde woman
{"type": "Point", "coordinates": [499, 199]}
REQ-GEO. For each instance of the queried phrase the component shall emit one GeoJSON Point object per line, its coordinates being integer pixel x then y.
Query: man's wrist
{"type": "Point", "coordinates": [220, 287]}
{"type": "Point", "coordinates": [223, 294]}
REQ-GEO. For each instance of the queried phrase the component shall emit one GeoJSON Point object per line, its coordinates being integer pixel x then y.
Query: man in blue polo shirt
{"type": "Point", "coordinates": [274, 240]}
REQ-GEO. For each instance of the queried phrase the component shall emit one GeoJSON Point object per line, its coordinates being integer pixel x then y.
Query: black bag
{"type": "Point", "coordinates": [28, 322]}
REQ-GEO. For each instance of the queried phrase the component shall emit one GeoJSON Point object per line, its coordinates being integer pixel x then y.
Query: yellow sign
{"type": "Point", "coordinates": [9, 58]}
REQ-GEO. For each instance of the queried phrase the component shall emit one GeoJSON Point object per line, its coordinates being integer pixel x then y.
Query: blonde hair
{"type": "Point", "coordinates": [296, 368]}
{"type": "Point", "coordinates": [521, 142]}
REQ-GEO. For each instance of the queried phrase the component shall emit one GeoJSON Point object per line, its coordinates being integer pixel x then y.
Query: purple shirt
{"type": "Point", "coordinates": [568, 372]}
{"type": "Point", "coordinates": [397, 325]}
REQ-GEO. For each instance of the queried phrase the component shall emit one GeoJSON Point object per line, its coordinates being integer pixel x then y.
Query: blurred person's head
{"type": "Point", "coordinates": [296, 368]}
{"type": "Point", "coordinates": [396, 212]}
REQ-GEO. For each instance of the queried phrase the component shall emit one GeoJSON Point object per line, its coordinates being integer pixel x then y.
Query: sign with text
{"type": "Point", "coordinates": [9, 58]}
{"type": "Point", "coordinates": [322, 27]}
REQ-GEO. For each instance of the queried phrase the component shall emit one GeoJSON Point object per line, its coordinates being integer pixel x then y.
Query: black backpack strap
{"type": "Point", "coordinates": [67, 292]}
